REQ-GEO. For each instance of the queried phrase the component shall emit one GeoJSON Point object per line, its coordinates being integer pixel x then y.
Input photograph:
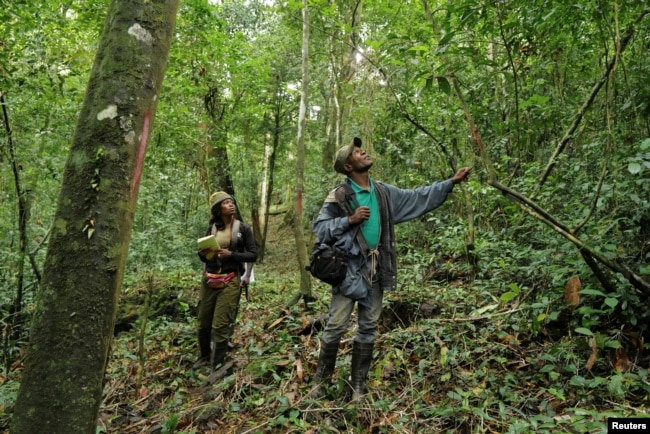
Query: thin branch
{"type": "Point", "coordinates": [426, 131]}
{"type": "Point", "coordinates": [594, 202]}
{"type": "Point", "coordinates": [591, 262]}
{"type": "Point", "coordinates": [477, 318]}
{"type": "Point", "coordinates": [520, 198]}
{"type": "Point", "coordinates": [34, 251]}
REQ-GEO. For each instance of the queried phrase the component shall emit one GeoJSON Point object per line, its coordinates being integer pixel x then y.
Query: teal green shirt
{"type": "Point", "coordinates": [370, 228]}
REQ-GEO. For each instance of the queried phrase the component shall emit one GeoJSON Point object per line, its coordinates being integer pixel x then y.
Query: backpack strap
{"type": "Point", "coordinates": [235, 229]}
{"type": "Point", "coordinates": [344, 195]}
{"type": "Point", "coordinates": [236, 224]}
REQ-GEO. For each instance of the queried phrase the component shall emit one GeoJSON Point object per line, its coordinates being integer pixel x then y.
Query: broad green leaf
{"type": "Point", "coordinates": [645, 145]}
{"type": "Point", "coordinates": [634, 168]}
{"type": "Point", "coordinates": [611, 302]}
{"type": "Point", "coordinates": [584, 331]}
{"type": "Point", "coordinates": [615, 385]}
{"type": "Point", "coordinates": [612, 344]}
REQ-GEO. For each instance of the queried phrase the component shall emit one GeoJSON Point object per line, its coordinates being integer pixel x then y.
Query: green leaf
{"type": "Point", "coordinates": [612, 344]}
{"type": "Point", "coordinates": [484, 309]}
{"type": "Point", "coordinates": [443, 84]}
{"type": "Point", "coordinates": [557, 393]}
{"type": "Point", "coordinates": [584, 331]}
{"type": "Point", "coordinates": [611, 302]}
{"type": "Point", "coordinates": [634, 168]}
{"type": "Point", "coordinates": [645, 144]}
{"type": "Point", "coordinates": [443, 356]}
{"type": "Point", "coordinates": [593, 292]}
{"type": "Point", "coordinates": [419, 48]}
{"type": "Point", "coordinates": [445, 39]}
{"type": "Point", "coordinates": [615, 385]}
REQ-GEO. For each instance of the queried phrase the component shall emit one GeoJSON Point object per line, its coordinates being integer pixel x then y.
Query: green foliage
{"type": "Point", "coordinates": [504, 352]}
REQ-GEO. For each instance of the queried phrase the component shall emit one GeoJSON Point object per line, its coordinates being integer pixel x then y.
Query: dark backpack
{"type": "Point", "coordinates": [326, 262]}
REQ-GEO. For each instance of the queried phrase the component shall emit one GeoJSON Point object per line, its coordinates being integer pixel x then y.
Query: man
{"type": "Point", "coordinates": [359, 217]}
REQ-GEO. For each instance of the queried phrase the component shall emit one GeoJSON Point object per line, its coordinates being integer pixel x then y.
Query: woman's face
{"type": "Point", "coordinates": [228, 208]}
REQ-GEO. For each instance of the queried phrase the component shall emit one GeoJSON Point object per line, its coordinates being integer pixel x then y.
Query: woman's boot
{"type": "Point", "coordinates": [204, 348]}
{"type": "Point", "coordinates": [218, 354]}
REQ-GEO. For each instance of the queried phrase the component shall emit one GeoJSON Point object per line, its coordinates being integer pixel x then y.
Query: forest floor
{"type": "Point", "coordinates": [432, 371]}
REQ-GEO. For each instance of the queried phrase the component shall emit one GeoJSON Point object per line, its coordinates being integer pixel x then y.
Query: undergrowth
{"type": "Point", "coordinates": [461, 349]}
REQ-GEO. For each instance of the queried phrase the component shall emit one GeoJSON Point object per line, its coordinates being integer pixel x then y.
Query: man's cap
{"type": "Point", "coordinates": [218, 197]}
{"type": "Point", "coordinates": [344, 153]}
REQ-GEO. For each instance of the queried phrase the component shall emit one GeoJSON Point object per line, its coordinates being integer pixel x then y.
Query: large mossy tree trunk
{"type": "Point", "coordinates": [61, 388]}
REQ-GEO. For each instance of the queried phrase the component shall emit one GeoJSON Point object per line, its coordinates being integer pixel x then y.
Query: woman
{"type": "Point", "coordinates": [225, 274]}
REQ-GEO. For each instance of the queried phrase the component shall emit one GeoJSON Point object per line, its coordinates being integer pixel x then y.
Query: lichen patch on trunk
{"type": "Point", "coordinates": [140, 33]}
{"type": "Point", "coordinates": [109, 112]}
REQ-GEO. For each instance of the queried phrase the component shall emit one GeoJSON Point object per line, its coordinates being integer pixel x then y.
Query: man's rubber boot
{"type": "Point", "coordinates": [361, 358]}
{"type": "Point", "coordinates": [325, 369]}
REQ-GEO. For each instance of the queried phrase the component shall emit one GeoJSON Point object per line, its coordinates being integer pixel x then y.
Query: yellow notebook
{"type": "Point", "coordinates": [209, 242]}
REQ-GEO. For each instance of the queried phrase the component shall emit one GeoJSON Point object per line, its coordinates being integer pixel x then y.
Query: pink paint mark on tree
{"type": "Point", "coordinates": [142, 150]}
{"type": "Point", "coordinates": [299, 203]}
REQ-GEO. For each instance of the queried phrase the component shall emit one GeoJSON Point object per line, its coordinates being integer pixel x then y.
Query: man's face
{"type": "Point", "coordinates": [359, 161]}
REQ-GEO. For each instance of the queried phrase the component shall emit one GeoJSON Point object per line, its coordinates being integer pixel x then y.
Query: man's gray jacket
{"type": "Point", "coordinates": [331, 227]}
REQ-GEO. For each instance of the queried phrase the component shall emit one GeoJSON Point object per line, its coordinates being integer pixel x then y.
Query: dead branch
{"type": "Point", "coordinates": [636, 280]}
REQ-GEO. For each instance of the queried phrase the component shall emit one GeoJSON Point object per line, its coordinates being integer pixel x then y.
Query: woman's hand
{"type": "Point", "coordinates": [224, 253]}
{"type": "Point", "coordinates": [207, 251]}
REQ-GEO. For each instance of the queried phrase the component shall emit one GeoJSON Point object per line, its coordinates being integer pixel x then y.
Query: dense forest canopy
{"type": "Point", "coordinates": [538, 267]}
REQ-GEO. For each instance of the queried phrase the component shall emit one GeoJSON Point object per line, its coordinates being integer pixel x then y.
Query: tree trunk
{"type": "Point", "coordinates": [61, 388]}
{"type": "Point", "coordinates": [218, 135]}
{"type": "Point", "coordinates": [301, 248]}
{"type": "Point", "coordinates": [23, 210]}
{"type": "Point", "coordinates": [270, 156]}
